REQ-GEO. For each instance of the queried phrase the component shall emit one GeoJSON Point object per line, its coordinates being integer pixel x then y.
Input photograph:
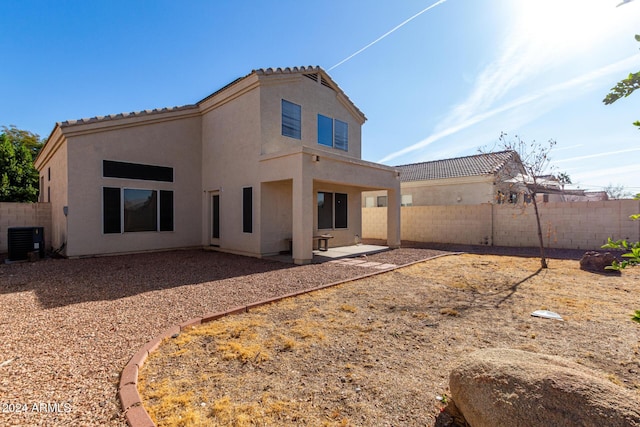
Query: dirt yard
{"type": "Point", "coordinates": [378, 351]}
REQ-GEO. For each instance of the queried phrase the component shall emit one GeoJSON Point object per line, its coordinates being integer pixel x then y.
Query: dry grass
{"type": "Point", "coordinates": [378, 351]}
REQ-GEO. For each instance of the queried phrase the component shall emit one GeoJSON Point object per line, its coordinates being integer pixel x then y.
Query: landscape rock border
{"type": "Point", "coordinates": [130, 399]}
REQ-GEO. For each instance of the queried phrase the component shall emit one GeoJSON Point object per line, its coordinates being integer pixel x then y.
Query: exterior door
{"type": "Point", "coordinates": [215, 219]}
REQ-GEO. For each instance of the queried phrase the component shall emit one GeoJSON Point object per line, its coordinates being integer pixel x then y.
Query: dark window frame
{"type": "Point", "coordinates": [333, 214]}
{"type": "Point", "coordinates": [247, 209]}
{"type": "Point", "coordinates": [144, 217]}
{"type": "Point", "coordinates": [291, 118]}
{"type": "Point", "coordinates": [111, 210]}
{"type": "Point", "coordinates": [114, 211]}
{"type": "Point", "coordinates": [138, 171]}
{"type": "Point", "coordinates": [337, 137]}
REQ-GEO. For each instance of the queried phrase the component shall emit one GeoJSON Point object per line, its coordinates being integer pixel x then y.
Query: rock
{"type": "Point", "coordinates": [504, 387]}
{"type": "Point", "coordinates": [596, 262]}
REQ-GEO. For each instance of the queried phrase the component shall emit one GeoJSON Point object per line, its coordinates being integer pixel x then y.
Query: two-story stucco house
{"type": "Point", "coordinates": [272, 158]}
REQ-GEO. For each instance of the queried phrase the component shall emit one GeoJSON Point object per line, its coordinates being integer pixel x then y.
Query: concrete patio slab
{"type": "Point", "coordinates": [336, 253]}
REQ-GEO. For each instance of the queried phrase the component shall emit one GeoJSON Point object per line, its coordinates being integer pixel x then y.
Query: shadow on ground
{"type": "Point", "coordinates": [60, 282]}
{"type": "Point", "coordinates": [529, 252]}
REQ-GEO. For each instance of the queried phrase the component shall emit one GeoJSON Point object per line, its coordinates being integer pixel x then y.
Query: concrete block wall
{"type": "Point", "coordinates": [571, 225]}
{"type": "Point", "coordinates": [24, 215]}
{"type": "Point", "coordinates": [467, 224]}
{"type": "Point", "coordinates": [374, 223]}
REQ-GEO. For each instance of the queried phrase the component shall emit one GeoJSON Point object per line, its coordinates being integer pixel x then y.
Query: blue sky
{"type": "Point", "coordinates": [444, 84]}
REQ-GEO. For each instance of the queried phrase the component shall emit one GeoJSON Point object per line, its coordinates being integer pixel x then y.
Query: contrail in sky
{"type": "Point", "coordinates": [388, 33]}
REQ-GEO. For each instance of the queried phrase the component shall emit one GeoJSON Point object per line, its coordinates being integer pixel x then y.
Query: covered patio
{"type": "Point", "coordinates": [307, 192]}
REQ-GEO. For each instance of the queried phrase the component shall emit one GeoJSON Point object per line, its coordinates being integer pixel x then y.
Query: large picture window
{"type": "Point", "coordinates": [291, 119]}
{"type": "Point", "coordinates": [332, 210]}
{"type": "Point", "coordinates": [134, 210]}
{"type": "Point", "coordinates": [140, 210]}
{"type": "Point", "coordinates": [333, 133]}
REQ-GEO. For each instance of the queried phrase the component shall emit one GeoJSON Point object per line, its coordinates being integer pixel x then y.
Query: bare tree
{"type": "Point", "coordinates": [534, 159]}
{"type": "Point", "coordinates": [618, 191]}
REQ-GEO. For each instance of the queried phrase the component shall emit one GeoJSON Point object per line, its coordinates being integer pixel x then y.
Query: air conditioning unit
{"type": "Point", "coordinates": [24, 240]}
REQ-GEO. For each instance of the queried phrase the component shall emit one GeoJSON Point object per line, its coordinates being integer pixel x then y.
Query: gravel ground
{"type": "Point", "coordinates": [68, 327]}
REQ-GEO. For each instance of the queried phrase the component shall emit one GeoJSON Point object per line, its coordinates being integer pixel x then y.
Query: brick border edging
{"type": "Point", "coordinates": [130, 399]}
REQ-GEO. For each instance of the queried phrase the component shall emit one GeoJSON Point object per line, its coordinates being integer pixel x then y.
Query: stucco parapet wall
{"type": "Point", "coordinates": [70, 128]}
{"type": "Point", "coordinates": [228, 93]}
{"type": "Point", "coordinates": [55, 140]}
{"type": "Point", "coordinates": [123, 120]}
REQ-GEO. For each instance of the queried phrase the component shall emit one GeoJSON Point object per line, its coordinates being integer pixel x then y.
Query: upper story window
{"type": "Point", "coordinates": [291, 119]}
{"type": "Point", "coordinates": [333, 133]}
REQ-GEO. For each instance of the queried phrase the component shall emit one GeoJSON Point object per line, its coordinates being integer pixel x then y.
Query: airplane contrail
{"type": "Point", "coordinates": [439, 2]}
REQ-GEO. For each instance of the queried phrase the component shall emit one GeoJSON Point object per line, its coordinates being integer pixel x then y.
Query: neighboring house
{"type": "Point", "coordinates": [550, 189]}
{"type": "Point", "coordinates": [470, 180]}
{"type": "Point", "coordinates": [271, 158]}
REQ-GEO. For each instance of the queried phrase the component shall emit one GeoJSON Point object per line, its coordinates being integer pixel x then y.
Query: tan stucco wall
{"type": "Point", "coordinates": [314, 99]}
{"type": "Point", "coordinates": [572, 225]}
{"type": "Point", "coordinates": [276, 216]}
{"type": "Point", "coordinates": [24, 215]}
{"type": "Point", "coordinates": [230, 152]}
{"type": "Point", "coordinates": [54, 191]}
{"type": "Point", "coordinates": [172, 143]}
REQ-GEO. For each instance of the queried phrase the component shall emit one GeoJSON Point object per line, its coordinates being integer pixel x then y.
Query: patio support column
{"type": "Point", "coordinates": [393, 217]}
{"type": "Point", "coordinates": [303, 205]}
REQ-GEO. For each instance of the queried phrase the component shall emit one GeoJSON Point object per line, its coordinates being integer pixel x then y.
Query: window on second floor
{"type": "Point", "coordinates": [333, 133]}
{"type": "Point", "coordinates": [291, 119]}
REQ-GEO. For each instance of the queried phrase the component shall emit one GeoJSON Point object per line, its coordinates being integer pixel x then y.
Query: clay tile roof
{"type": "Point", "coordinates": [122, 115]}
{"type": "Point", "coordinates": [314, 72]}
{"type": "Point", "coordinates": [476, 165]}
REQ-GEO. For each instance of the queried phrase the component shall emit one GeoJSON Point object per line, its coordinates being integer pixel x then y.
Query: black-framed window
{"type": "Point", "coordinates": [111, 207]}
{"type": "Point", "coordinates": [291, 119]}
{"type": "Point", "coordinates": [133, 210]}
{"type": "Point", "coordinates": [247, 209]}
{"type": "Point", "coordinates": [113, 169]}
{"type": "Point", "coordinates": [340, 207]}
{"type": "Point", "coordinates": [140, 210]}
{"type": "Point", "coordinates": [325, 210]}
{"type": "Point", "coordinates": [166, 210]}
{"type": "Point", "coordinates": [332, 210]}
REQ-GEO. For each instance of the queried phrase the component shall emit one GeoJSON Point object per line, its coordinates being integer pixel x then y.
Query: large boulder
{"type": "Point", "coordinates": [596, 262]}
{"type": "Point", "coordinates": [504, 387]}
